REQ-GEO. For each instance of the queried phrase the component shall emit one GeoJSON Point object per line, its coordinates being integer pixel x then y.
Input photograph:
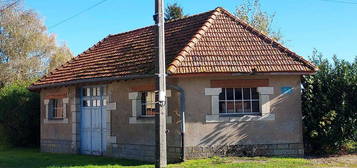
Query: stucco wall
{"type": "Point", "coordinates": [56, 136]}
{"type": "Point", "coordinates": [138, 133]}
{"type": "Point", "coordinates": [286, 128]}
{"type": "Point", "coordinates": [137, 141]}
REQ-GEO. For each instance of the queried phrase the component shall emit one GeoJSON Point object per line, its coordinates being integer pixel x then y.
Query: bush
{"type": "Point", "coordinates": [3, 140]}
{"type": "Point", "coordinates": [19, 115]}
{"type": "Point", "coordinates": [350, 147]}
{"type": "Point", "coordinates": [330, 105]}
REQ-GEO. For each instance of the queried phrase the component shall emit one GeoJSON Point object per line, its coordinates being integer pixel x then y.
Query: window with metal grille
{"type": "Point", "coordinates": [55, 109]}
{"type": "Point", "coordinates": [147, 103]}
{"type": "Point", "coordinates": [242, 101]}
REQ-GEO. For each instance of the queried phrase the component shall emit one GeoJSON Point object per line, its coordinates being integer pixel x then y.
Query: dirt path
{"type": "Point", "coordinates": [344, 161]}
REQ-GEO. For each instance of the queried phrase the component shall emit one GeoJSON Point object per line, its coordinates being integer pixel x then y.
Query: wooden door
{"type": "Point", "coordinates": [93, 120]}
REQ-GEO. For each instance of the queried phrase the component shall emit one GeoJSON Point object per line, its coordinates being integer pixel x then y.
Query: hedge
{"type": "Point", "coordinates": [329, 103]}
{"type": "Point", "coordinates": [19, 115]}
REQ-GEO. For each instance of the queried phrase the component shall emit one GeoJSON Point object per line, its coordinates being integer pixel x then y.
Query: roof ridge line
{"type": "Point", "coordinates": [191, 43]}
{"type": "Point", "coordinates": [265, 37]}
{"type": "Point", "coordinates": [170, 21]}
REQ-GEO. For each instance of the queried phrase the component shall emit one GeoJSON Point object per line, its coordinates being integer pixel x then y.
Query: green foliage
{"type": "Point", "coordinates": [3, 139]}
{"type": "Point", "coordinates": [251, 13]}
{"type": "Point", "coordinates": [330, 105]}
{"type": "Point", "coordinates": [174, 11]}
{"type": "Point", "coordinates": [19, 115]}
{"type": "Point", "coordinates": [350, 146]}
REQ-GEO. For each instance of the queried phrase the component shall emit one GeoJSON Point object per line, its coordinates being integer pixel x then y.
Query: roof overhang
{"type": "Point", "coordinates": [91, 80]}
{"type": "Point", "coordinates": [130, 77]}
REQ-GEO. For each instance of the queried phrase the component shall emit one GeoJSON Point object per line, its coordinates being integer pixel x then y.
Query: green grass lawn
{"type": "Point", "coordinates": [32, 158]}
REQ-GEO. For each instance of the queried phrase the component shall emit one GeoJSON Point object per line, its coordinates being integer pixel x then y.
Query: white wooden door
{"type": "Point", "coordinates": [93, 120]}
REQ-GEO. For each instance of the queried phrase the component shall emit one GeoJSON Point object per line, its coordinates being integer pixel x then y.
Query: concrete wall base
{"type": "Point", "coordinates": [147, 152]}
{"type": "Point", "coordinates": [141, 152]}
{"type": "Point", "coordinates": [57, 146]}
{"type": "Point", "coordinates": [289, 149]}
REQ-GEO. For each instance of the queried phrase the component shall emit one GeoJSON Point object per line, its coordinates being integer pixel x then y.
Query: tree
{"type": "Point", "coordinates": [251, 13]}
{"type": "Point", "coordinates": [329, 105]}
{"type": "Point", "coordinates": [174, 11]}
{"type": "Point", "coordinates": [62, 55]}
{"type": "Point", "coordinates": [26, 49]}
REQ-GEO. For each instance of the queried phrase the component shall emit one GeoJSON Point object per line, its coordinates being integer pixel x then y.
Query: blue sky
{"type": "Point", "coordinates": [326, 25]}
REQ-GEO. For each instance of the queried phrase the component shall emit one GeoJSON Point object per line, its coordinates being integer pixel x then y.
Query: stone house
{"type": "Point", "coordinates": [240, 92]}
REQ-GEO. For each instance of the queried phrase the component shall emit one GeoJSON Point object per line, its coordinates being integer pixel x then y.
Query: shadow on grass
{"type": "Point", "coordinates": [32, 158]}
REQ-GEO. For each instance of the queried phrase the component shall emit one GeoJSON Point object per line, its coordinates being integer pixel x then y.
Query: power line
{"type": "Point", "coordinates": [77, 14]}
{"type": "Point", "coordinates": [341, 1]}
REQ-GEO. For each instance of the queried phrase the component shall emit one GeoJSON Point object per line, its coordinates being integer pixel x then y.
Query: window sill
{"type": "Point", "coordinates": [147, 120]}
{"type": "Point", "coordinates": [238, 115]}
{"type": "Point", "coordinates": [146, 116]}
{"type": "Point", "coordinates": [56, 121]}
{"type": "Point", "coordinates": [51, 119]}
{"type": "Point", "coordinates": [235, 118]}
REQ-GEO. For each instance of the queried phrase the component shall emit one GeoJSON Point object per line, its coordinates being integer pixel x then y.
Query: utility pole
{"type": "Point", "coordinates": [160, 106]}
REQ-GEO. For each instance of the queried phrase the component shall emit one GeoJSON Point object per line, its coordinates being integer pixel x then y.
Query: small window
{"type": "Point", "coordinates": [86, 103]}
{"type": "Point", "coordinates": [97, 103]}
{"type": "Point", "coordinates": [96, 91]}
{"type": "Point", "coordinates": [86, 92]}
{"type": "Point", "coordinates": [104, 101]}
{"type": "Point", "coordinates": [147, 103]}
{"type": "Point", "coordinates": [55, 109]}
{"type": "Point", "coordinates": [244, 101]}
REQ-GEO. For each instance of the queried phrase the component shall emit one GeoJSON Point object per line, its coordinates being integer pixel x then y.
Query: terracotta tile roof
{"type": "Point", "coordinates": [213, 41]}
{"type": "Point", "coordinates": [230, 45]}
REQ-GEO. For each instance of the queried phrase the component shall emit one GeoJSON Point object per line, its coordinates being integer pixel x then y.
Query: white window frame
{"type": "Point", "coordinates": [136, 106]}
{"type": "Point", "coordinates": [250, 100]}
{"type": "Point", "coordinates": [63, 120]}
{"type": "Point", "coordinates": [264, 107]}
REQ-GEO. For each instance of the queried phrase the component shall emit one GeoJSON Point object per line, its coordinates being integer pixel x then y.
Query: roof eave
{"type": "Point", "coordinates": [91, 80]}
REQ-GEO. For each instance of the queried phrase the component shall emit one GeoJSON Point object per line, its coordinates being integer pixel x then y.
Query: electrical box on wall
{"type": "Point", "coordinates": [286, 90]}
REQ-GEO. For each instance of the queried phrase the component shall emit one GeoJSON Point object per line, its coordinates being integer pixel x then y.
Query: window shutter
{"type": "Point", "coordinates": [135, 98]}
{"type": "Point", "coordinates": [214, 93]}
{"type": "Point", "coordinates": [264, 99]}
{"type": "Point", "coordinates": [46, 102]}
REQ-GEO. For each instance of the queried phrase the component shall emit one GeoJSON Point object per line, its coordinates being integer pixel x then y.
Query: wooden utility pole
{"type": "Point", "coordinates": [160, 116]}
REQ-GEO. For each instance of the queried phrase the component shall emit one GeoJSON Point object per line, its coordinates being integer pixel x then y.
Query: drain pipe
{"type": "Point", "coordinates": [182, 107]}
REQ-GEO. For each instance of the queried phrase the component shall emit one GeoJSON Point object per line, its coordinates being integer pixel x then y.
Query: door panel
{"type": "Point", "coordinates": [104, 128]}
{"type": "Point", "coordinates": [86, 131]}
{"type": "Point", "coordinates": [96, 131]}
